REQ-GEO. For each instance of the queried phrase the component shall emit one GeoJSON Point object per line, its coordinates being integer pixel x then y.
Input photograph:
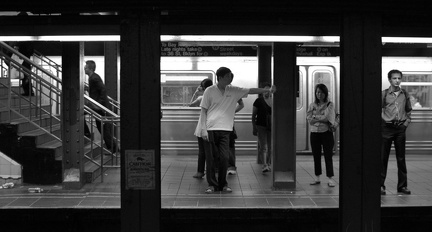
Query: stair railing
{"type": "Point", "coordinates": [111, 117]}
{"type": "Point", "coordinates": [108, 124]}
{"type": "Point", "coordinates": [46, 94]}
{"type": "Point", "coordinates": [47, 88]}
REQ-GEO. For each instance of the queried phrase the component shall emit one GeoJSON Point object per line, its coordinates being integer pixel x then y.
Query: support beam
{"type": "Point", "coordinates": [264, 64]}
{"type": "Point", "coordinates": [111, 68]}
{"type": "Point", "coordinates": [284, 117]}
{"type": "Point", "coordinates": [360, 143]}
{"type": "Point", "coordinates": [140, 122]}
{"type": "Point", "coordinates": [72, 112]}
{"type": "Point", "coordinates": [264, 75]}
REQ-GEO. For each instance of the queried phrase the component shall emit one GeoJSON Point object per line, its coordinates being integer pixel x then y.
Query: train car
{"type": "Point", "coordinates": [181, 76]}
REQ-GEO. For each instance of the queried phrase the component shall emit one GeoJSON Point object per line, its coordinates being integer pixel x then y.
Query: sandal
{"type": "Point", "coordinates": [331, 184]}
{"type": "Point", "coordinates": [227, 189]}
{"type": "Point", "coordinates": [210, 189]}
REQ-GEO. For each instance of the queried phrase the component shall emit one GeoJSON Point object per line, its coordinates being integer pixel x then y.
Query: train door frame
{"type": "Point", "coordinates": [301, 122]}
{"type": "Point", "coordinates": [311, 70]}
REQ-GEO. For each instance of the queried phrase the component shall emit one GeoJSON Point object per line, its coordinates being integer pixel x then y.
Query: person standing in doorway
{"type": "Point", "coordinates": [217, 119]}
{"type": "Point", "coordinates": [396, 116]}
{"type": "Point", "coordinates": [320, 115]}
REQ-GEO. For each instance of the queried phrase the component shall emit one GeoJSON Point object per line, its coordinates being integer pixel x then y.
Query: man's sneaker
{"type": "Point", "coordinates": [265, 169]}
{"type": "Point", "coordinates": [232, 172]}
{"type": "Point", "coordinates": [404, 190]}
{"type": "Point", "coordinates": [383, 192]}
{"type": "Point", "coordinates": [226, 189]}
{"type": "Point", "coordinates": [210, 189]}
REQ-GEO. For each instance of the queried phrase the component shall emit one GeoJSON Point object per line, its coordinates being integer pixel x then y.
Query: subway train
{"type": "Point", "coordinates": [180, 77]}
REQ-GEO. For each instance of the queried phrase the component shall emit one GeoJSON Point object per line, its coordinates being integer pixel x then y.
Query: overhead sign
{"type": "Point", "coordinates": [174, 49]}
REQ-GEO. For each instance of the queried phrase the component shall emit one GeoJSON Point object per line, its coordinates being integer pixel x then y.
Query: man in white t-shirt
{"type": "Point", "coordinates": [217, 118]}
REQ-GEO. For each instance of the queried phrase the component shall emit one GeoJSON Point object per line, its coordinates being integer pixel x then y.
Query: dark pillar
{"type": "Point", "coordinates": [72, 112]}
{"type": "Point", "coordinates": [264, 64]}
{"type": "Point", "coordinates": [140, 121]}
{"type": "Point", "coordinates": [360, 142]}
{"type": "Point", "coordinates": [264, 75]}
{"type": "Point", "coordinates": [111, 68]}
{"type": "Point", "coordinates": [284, 117]}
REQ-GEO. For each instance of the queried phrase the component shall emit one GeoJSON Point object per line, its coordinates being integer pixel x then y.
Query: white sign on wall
{"type": "Point", "coordinates": [140, 169]}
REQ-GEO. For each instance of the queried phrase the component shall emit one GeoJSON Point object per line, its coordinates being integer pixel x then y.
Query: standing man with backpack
{"type": "Point", "coordinates": [396, 115]}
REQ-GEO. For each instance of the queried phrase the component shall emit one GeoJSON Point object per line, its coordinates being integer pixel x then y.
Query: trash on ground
{"type": "Point", "coordinates": [35, 190]}
{"type": "Point", "coordinates": [8, 185]}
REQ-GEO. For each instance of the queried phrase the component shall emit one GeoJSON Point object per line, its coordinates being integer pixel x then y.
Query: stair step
{"type": "Point", "coordinates": [55, 145]}
{"type": "Point", "coordinates": [41, 136]}
{"type": "Point", "coordinates": [43, 121]}
{"type": "Point", "coordinates": [16, 100]}
{"type": "Point", "coordinates": [25, 111]}
{"type": "Point", "coordinates": [4, 91]}
{"type": "Point", "coordinates": [93, 171]}
{"type": "Point", "coordinates": [5, 82]}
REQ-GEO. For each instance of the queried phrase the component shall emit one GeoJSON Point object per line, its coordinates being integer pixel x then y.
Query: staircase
{"type": "Point", "coordinates": [30, 127]}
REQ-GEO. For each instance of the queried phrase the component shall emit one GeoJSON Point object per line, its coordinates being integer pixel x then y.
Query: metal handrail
{"type": "Point", "coordinates": [43, 92]}
{"type": "Point", "coordinates": [12, 50]}
{"type": "Point", "coordinates": [50, 91]}
{"type": "Point", "coordinates": [114, 103]}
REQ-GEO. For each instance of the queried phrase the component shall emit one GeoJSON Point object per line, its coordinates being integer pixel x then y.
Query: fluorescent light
{"type": "Point", "coordinates": [81, 38]}
{"type": "Point", "coordinates": [247, 38]}
{"type": "Point", "coordinates": [212, 38]}
{"type": "Point", "coordinates": [17, 38]}
{"type": "Point", "coordinates": [180, 38]}
{"type": "Point", "coordinates": [406, 40]}
{"type": "Point", "coordinates": [62, 38]}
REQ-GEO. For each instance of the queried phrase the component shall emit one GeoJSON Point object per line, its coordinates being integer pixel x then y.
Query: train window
{"type": "Point", "coordinates": [299, 91]}
{"type": "Point", "coordinates": [419, 86]}
{"type": "Point", "coordinates": [177, 87]}
{"type": "Point", "coordinates": [324, 77]}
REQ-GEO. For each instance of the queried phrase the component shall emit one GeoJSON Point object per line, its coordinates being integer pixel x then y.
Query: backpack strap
{"type": "Point", "coordinates": [408, 106]}
{"type": "Point", "coordinates": [384, 94]}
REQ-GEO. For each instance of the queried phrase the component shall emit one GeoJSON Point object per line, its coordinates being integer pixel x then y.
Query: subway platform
{"type": "Point", "coordinates": [184, 201]}
{"type": "Point", "coordinates": [251, 188]}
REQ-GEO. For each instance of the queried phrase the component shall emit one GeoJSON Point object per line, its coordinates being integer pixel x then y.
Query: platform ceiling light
{"type": "Point", "coordinates": [406, 40]}
{"type": "Point", "coordinates": [247, 38]}
{"type": "Point", "coordinates": [211, 38]}
{"type": "Point", "coordinates": [181, 38]}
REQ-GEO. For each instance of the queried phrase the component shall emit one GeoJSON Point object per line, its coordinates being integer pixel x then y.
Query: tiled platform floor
{"type": "Point", "coordinates": [251, 188]}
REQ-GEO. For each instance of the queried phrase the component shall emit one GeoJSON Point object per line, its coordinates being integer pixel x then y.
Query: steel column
{"type": "Point", "coordinates": [284, 117]}
{"type": "Point", "coordinates": [140, 127]}
{"type": "Point", "coordinates": [73, 114]}
{"type": "Point", "coordinates": [360, 135]}
{"type": "Point", "coordinates": [111, 68]}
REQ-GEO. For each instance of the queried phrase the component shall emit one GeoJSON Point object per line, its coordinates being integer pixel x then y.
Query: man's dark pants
{"type": "Point", "coordinates": [396, 134]}
{"type": "Point", "coordinates": [217, 155]}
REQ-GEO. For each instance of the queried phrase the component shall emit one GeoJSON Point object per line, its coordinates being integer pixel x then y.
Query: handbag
{"type": "Point", "coordinates": [333, 127]}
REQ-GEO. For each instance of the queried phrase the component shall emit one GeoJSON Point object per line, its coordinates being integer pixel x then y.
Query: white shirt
{"type": "Point", "coordinates": [221, 108]}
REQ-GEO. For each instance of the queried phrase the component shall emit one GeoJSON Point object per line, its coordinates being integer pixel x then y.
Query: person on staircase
{"type": "Point", "coordinates": [27, 49]}
{"type": "Point", "coordinates": [97, 92]}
